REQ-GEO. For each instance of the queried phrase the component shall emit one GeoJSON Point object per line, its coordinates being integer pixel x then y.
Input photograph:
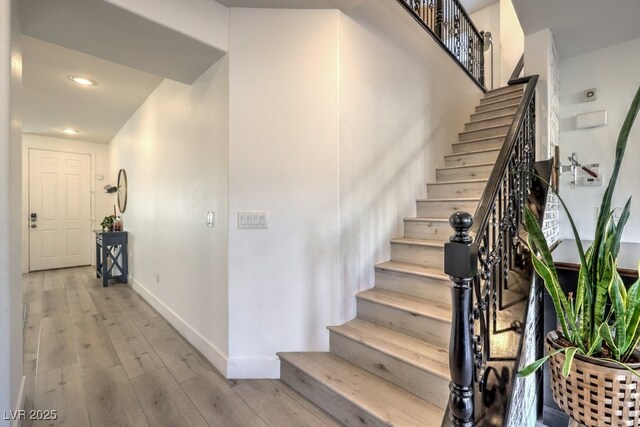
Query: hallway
{"type": "Point", "coordinates": [102, 356]}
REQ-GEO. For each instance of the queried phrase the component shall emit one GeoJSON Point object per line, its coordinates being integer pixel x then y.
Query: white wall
{"type": "Point", "coordinates": [402, 103]}
{"type": "Point", "coordinates": [538, 59]}
{"type": "Point", "coordinates": [511, 40]}
{"type": "Point", "coordinates": [174, 149]}
{"type": "Point", "coordinates": [614, 72]}
{"type": "Point", "coordinates": [101, 202]}
{"type": "Point", "coordinates": [336, 124]}
{"type": "Point", "coordinates": [11, 378]}
{"type": "Point", "coordinates": [508, 39]}
{"type": "Point", "coordinates": [488, 19]}
{"type": "Point", "coordinates": [283, 158]}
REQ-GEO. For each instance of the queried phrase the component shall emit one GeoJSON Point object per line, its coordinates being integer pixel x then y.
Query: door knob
{"type": "Point", "coordinates": [33, 226]}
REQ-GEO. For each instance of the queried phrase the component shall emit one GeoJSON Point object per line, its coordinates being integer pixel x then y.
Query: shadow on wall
{"type": "Point", "coordinates": [368, 225]}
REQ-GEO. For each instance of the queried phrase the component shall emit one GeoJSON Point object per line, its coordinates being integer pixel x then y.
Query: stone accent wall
{"type": "Point", "coordinates": [551, 223]}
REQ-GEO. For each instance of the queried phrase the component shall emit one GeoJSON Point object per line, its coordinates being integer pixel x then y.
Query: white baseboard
{"type": "Point", "coordinates": [255, 368]}
{"type": "Point", "coordinates": [19, 401]}
{"type": "Point", "coordinates": [209, 350]}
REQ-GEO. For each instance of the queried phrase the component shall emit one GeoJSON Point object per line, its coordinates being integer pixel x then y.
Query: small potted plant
{"type": "Point", "coordinates": [593, 358]}
{"type": "Point", "coordinates": [107, 223]}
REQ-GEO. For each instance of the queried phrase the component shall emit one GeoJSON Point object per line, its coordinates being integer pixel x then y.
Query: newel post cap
{"type": "Point", "coordinates": [461, 222]}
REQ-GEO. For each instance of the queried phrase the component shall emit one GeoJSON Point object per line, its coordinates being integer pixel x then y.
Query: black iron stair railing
{"type": "Point", "coordinates": [450, 25]}
{"type": "Point", "coordinates": [488, 263]}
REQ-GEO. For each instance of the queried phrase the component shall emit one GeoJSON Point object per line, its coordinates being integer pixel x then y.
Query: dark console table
{"type": "Point", "coordinates": [112, 261]}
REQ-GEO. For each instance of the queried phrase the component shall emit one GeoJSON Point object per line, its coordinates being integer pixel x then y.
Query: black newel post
{"type": "Point", "coordinates": [461, 263]}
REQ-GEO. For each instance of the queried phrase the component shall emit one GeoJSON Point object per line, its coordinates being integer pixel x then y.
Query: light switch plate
{"type": "Point", "coordinates": [252, 219]}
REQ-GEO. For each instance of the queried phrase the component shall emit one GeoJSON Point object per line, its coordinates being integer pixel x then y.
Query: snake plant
{"type": "Point", "coordinates": [602, 319]}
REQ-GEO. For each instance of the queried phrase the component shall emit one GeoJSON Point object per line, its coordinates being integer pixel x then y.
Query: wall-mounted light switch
{"type": "Point", "coordinates": [211, 219]}
{"type": "Point", "coordinates": [252, 219]}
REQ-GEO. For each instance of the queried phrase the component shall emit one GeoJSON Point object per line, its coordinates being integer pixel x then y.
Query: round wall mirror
{"type": "Point", "coordinates": [122, 190]}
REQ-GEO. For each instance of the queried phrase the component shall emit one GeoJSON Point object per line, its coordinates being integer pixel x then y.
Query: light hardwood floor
{"type": "Point", "coordinates": [103, 356]}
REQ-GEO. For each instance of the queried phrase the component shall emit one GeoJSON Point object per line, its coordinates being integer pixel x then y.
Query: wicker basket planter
{"type": "Point", "coordinates": [596, 392]}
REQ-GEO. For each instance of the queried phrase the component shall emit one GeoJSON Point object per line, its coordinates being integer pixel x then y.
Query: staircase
{"type": "Point", "coordinates": [390, 365]}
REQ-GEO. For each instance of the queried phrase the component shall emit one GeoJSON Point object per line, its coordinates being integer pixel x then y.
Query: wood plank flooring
{"type": "Point", "coordinates": [104, 357]}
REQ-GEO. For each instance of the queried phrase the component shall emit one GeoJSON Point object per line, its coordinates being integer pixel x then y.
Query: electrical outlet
{"type": "Point", "coordinates": [253, 219]}
{"type": "Point", "coordinates": [157, 277]}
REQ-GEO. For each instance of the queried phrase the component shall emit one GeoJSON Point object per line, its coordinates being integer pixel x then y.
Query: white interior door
{"type": "Point", "coordinates": [59, 209]}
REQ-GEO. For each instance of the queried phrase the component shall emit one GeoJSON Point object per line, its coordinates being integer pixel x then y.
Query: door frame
{"type": "Point", "coordinates": [57, 146]}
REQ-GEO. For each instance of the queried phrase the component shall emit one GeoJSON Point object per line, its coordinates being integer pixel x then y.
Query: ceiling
{"type": "Point", "coordinates": [581, 26]}
{"type": "Point", "coordinates": [51, 101]}
{"type": "Point", "coordinates": [343, 5]}
{"type": "Point", "coordinates": [102, 29]}
{"type": "Point", "coordinates": [125, 53]}
{"type": "Point", "coordinates": [475, 5]}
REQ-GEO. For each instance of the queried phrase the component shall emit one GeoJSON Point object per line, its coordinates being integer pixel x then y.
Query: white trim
{"type": "Point", "coordinates": [19, 402]}
{"type": "Point", "coordinates": [255, 368]}
{"type": "Point", "coordinates": [202, 344]}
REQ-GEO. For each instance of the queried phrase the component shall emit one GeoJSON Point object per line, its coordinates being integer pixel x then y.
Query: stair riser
{"type": "Point", "coordinates": [471, 159]}
{"type": "Point", "coordinates": [427, 209]}
{"type": "Point", "coordinates": [427, 230]}
{"type": "Point", "coordinates": [486, 144]}
{"type": "Point", "coordinates": [415, 254]}
{"type": "Point", "coordinates": [425, 385]}
{"type": "Point", "coordinates": [491, 114]}
{"type": "Point", "coordinates": [432, 331]}
{"type": "Point", "coordinates": [333, 403]}
{"type": "Point", "coordinates": [506, 89]}
{"type": "Point", "coordinates": [501, 97]}
{"type": "Point", "coordinates": [455, 190]}
{"type": "Point", "coordinates": [417, 286]}
{"type": "Point", "coordinates": [470, 172]}
{"type": "Point", "coordinates": [498, 121]}
{"type": "Point", "coordinates": [483, 133]}
{"type": "Point", "coordinates": [499, 104]}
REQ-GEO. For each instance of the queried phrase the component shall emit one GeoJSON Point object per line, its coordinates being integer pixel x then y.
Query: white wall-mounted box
{"type": "Point", "coordinates": [591, 120]}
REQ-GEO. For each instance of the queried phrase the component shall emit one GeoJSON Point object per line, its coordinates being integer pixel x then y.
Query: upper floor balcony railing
{"type": "Point", "coordinates": [449, 23]}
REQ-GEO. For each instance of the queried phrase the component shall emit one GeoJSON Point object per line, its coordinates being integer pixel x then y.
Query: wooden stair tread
{"type": "Point", "coordinates": [464, 166]}
{"type": "Point", "coordinates": [452, 199]}
{"type": "Point", "coordinates": [517, 96]}
{"type": "Point", "coordinates": [506, 89]}
{"type": "Point", "coordinates": [486, 150]}
{"type": "Point", "coordinates": [515, 104]}
{"type": "Point", "coordinates": [479, 140]}
{"type": "Point", "coordinates": [418, 242]}
{"type": "Point", "coordinates": [492, 118]}
{"type": "Point", "coordinates": [462, 181]}
{"type": "Point", "coordinates": [415, 269]}
{"type": "Point", "coordinates": [483, 129]}
{"type": "Point", "coordinates": [370, 393]}
{"type": "Point", "coordinates": [395, 344]}
{"type": "Point", "coordinates": [425, 219]}
{"type": "Point", "coordinates": [418, 306]}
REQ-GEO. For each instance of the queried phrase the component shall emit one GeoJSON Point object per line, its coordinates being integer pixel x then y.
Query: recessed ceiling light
{"type": "Point", "coordinates": [82, 81]}
{"type": "Point", "coordinates": [70, 131]}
